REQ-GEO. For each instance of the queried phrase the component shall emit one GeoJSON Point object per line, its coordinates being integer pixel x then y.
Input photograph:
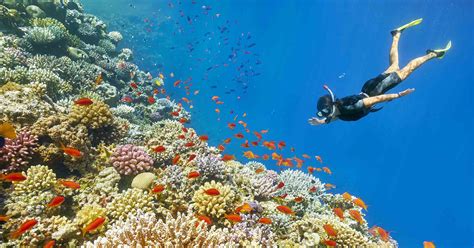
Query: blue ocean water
{"type": "Point", "coordinates": [411, 162]}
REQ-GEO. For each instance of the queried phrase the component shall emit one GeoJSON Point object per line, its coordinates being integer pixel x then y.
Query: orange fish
{"type": "Point", "coordinates": [275, 156]}
{"type": "Point", "coordinates": [327, 170]}
{"type": "Point", "coordinates": [56, 201]}
{"type": "Point", "coordinates": [306, 156]}
{"type": "Point", "coordinates": [176, 159]}
{"type": "Point", "coordinates": [193, 174]}
{"type": "Point", "coordinates": [133, 85]}
{"type": "Point", "coordinates": [331, 243]}
{"type": "Point", "coordinates": [203, 138]}
{"type": "Point", "coordinates": [215, 98]}
{"type": "Point", "coordinates": [191, 157]}
{"type": "Point", "coordinates": [250, 155]}
{"type": "Point", "coordinates": [49, 244]}
{"type": "Point", "coordinates": [27, 225]}
{"type": "Point", "coordinates": [313, 189]}
{"type": "Point", "coordinates": [310, 170]}
{"type": "Point", "coordinates": [265, 220]}
{"type": "Point", "coordinates": [217, 110]}
{"type": "Point", "coordinates": [151, 100]}
{"type": "Point", "coordinates": [227, 141]}
{"type": "Point", "coordinates": [70, 184]}
{"type": "Point", "coordinates": [175, 113]}
{"type": "Point", "coordinates": [245, 144]}
{"type": "Point", "coordinates": [428, 244]}
{"type": "Point", "coordinates": [383, 234]}
{"type": "Point", "coordinates": [182, 136]}
{"type": "Point", "coordinates": [269, 145]}
{"type": "Point", "coordinates": [329, 230]}
{"type": "Point", "coordinates": [228, 157]}
{"type": "Point", "coordinates": [219, 102]}
{"type": "Point", "coordinates": [158, 188]}
{"type": "Point", "coordinates": [73, 152]}
{"type": "Point", "coordinates": [265, 157]}
{"type": "Point", "coordinates": [356, 216]}
{"type": "Point", "coordinates": [299, 162]}
{"type": "Point", "coordinates": [205, 219]}
{"type": "Point", "coordinates": [318, 169]}
{"type": "Point", "coordinates": [189, 144]}
{"type": "Point", "coordinates": [319, 159]}
{"type": "Point", "coordinates": [259, 170]}
{"type": "Point", "coordinates": [254, 143]}
{"type": "Point", "coordinates": [285, 209]}
{"type": "Point", "coordinates": [94, 225]}
{"type": "Point", "coordinates": [212, 192]}
{"type": "Point", "coordinates": [347, 196]}
{"type": "Point", "coordinates": [4, 218]}
{"type": "Point", "coordinates": [264, 131]}
{"type": "Point", "coordinates": [233, 217]}
{"type": "Point", "coordinates": [339, 213]}
{"type": "Point", "coordinates": [258, 135]}
{"type": "Point", "coordinates": [176, 83]}
{"type": "Point", "coordinates": [243, 124]}
{"type": "Point", "coordinates": [98, 79]}
{"type": "Point", "coordinates": [239, 135]}
{"type": "Point", "coordinates": [280, 185]}
{"type": "Point", "coordinates": [184, 129]}
{"type": "Point", "coordinates": [159, 149]}
{"type": "Point", "coordinates": [221, 148]}
{"type": "Point", "coordinates": [245, 208]}
{"type": "Point", "coordinates": [231, 125]}
{"type": "Point", "coordinates": [183, 120]}
{"type": "Point", "coordinates": [13, 177]}
{"type": "Point", "coordinates": [186, 100]}
{"type": "Point", "coordinates": [281, 145]}
{"type": "Point", "coordinates": [329, 186]}
{"type": "Point", "coordinates": [298, 199]}
{"type": "Point", "coordinates": [360, 203]}
{"type": "Point", "coordinates": [283, 196]}
{"type": "Point", "coordinates": [83, 101]}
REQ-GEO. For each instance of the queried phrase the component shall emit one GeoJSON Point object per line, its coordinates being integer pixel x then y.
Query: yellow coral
{"type": "Point", "coordinates": [214, 206]}
{"type": "Point", "coordinates": [89, 213]}
{"type": "Point", "coordinates": [38, 178]}
{"type": "Point", "coordinates": [93, 116]}
{"type": "Point", "coordinates": [129, 202]}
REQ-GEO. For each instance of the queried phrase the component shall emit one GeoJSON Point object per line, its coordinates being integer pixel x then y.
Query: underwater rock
{"type": "Point", "coordinates": [35, 11]}
{"type": "Point", "coordinates": [143, 180]}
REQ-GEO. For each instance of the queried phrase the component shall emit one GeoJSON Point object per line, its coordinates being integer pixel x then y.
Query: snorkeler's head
{"type": "Point", "coordinates": [325, 105]}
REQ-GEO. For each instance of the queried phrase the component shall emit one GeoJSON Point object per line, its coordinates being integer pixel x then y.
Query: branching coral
{"type": "Point", "coordinates": [145, 230]}
{"type": "Point", "coordinates": [211, 167]}
{"type": "Point", "coordinates": [16, 153]}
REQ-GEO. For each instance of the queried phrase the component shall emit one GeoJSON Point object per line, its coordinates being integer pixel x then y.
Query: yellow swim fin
{"type": "Point", "coordinates": [410, 24]}
{"type": "Point", "coordinates": [440, 52]}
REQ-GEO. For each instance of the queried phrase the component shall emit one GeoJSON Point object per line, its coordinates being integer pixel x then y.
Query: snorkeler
{"type": "Point", "coordinates": [352, 108]}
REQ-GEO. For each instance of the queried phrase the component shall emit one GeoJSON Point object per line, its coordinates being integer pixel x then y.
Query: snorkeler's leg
{"type": "Point", "coordinates": [414, 64]}
{"type": "Point", "coordinates": [371, 101]}
{"type": "Point", "coordinates": [393, 57]}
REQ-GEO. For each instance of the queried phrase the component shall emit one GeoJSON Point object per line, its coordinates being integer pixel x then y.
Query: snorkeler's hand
{"type": "Point", "coordinates": [406, 92]}
{"type": "Point", "coordinates": [315, 121]}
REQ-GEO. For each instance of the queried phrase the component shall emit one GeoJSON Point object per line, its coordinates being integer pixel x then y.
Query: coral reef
{"type": "Point", "coordinates": [134, 161]}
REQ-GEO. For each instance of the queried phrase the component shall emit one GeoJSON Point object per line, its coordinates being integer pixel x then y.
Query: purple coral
{"type": "Point", "coordinates": [17, 152]}
{"type": "Point", "coordinates": [130, 160]}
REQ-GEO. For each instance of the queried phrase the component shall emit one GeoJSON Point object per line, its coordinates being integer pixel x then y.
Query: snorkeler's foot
{"type": "Point", "coordinates": [440, 52]}
{"type": "Point", "coordinates": [410, 24]}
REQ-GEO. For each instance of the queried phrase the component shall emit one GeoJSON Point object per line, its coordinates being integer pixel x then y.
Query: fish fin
{"type": "Point", "coordinates": [7, 130]}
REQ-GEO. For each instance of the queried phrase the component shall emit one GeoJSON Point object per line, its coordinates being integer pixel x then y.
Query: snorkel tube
{"type": "Point", "coordinates": [333, 101]}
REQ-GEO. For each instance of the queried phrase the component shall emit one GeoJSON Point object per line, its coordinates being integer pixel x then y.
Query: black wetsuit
{"type": "Point", "coordinates": [351, 108]}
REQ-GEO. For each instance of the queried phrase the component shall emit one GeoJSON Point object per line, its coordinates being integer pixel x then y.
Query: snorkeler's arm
{"type": "Point", "coordinates": [371, 101]}
{"type": "Point", "coordinates": [317, 121]}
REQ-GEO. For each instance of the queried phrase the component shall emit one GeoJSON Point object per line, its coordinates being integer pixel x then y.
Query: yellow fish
{"type": "Point", "coordinates": [159, 82]}
{"type": "Point", "coordinates": [7, 130]}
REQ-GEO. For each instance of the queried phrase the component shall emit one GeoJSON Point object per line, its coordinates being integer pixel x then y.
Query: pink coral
{"type": "Point", "coordinates": [17, 152]}
{"type": "Point", "coordinates": [130, 160]}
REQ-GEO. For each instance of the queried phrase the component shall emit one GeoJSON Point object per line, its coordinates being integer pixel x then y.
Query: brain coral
{"type": "Point", "coordinates": [17, 152]}
{"type": "Point", "coordinates": [92, 116]}
{"type": "Point", "coordinates": [130, 160]}
{"type": "Point", "coordinates": [145, 230]}
{"type": "Point", "coordinates": [214, 206]}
